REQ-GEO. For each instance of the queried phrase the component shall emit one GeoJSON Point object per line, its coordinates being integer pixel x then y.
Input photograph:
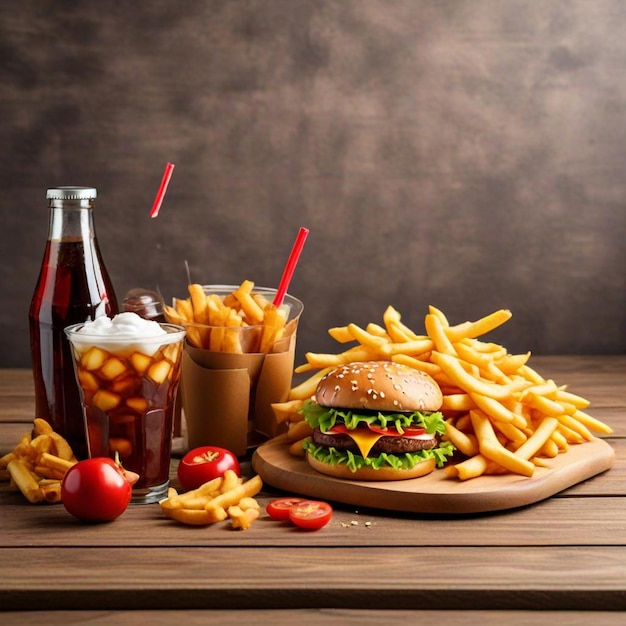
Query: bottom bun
{"type": "Point", "coordinates": [370, 473]}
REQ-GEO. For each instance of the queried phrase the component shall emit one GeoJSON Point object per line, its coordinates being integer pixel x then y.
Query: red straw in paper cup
{"type": "Point", "coordinates": [290, 267]}
{"type": "Point", "coordinates": [162, 189]}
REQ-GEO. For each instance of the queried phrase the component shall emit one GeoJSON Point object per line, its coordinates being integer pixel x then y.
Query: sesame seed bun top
{"type": "Point", "coordinates": [378, 386]}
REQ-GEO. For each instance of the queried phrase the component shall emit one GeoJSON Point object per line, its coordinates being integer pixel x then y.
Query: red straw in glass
{"type": "Point", "coordinates": [290, 267]}
{"type": "Point", "coordinates": [162, 189]}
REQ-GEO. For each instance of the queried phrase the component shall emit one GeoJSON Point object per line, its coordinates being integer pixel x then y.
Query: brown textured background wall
{"type": "Point", "coordinates": [467, 154]}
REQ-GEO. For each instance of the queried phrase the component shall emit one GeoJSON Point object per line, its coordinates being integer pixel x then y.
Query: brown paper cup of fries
{"type": "Point", "coordinates": [238, 359]}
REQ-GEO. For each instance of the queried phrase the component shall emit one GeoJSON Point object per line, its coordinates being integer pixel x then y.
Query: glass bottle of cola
{"type": "Point", "coordinates": [73, 286]}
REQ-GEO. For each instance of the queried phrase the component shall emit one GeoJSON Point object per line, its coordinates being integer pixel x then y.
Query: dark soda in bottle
{"type": "Point", "coordinates": [73, 286]}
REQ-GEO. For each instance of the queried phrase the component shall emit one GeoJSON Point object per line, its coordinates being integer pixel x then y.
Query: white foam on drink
{"type": "Point", "coordinates": [122, 325]}
{"type": "Point", "coordinates": [126, 332]}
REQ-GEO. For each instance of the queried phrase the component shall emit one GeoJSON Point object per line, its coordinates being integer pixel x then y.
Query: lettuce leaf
{"type": "Point", "coordinates": [325, 418]}
{"type": "Point", "coordinates": [408, 460]}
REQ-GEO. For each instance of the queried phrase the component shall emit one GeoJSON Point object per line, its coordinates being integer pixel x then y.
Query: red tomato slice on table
{"type": "Point", "coordinates": [205, 463]}
{"type": "Point", "coordinates": [310, 514]}
{"type": "Point", "coordinates": [279, 509]}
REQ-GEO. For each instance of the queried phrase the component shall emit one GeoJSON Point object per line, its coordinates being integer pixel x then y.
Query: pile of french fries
{"type": "Point", "coordinates": [215, 322]}
{"type": "Point", "coordinates": [501, 415]}
{"type": "Point", "coordinates": [227, 497]}
{"type": "Point", "coordinates": [38, 463]}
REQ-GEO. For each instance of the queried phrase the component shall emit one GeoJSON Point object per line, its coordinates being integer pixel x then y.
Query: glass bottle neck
{"type": "Point", "coordinates": [71, 219]}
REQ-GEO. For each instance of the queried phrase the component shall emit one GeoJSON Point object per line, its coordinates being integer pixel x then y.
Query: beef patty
{"type": "Point", "coordinates": [389, 445]}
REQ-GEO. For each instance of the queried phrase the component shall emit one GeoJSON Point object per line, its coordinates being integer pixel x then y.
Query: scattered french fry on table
{"type": "Point", "coordinates": [227, 497]}
{"type": "Point", "coordinates": [38, 463]}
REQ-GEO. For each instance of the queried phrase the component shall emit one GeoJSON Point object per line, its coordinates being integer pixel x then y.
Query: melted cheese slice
{"type": "Point", "coordinates": [364, 439]}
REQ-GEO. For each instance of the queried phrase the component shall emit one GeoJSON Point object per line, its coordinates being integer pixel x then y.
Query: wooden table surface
{"type": "Point", "coordinates": [553, 558]}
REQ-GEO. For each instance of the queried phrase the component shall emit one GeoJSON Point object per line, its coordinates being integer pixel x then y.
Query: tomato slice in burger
{"type": "Point", "coordinates": [337, 429]}
{"type": "Point", "coordinates": [310, 514]}
{"type": "Point", "coordinates": [279, 509]}
{"type": "Point", "coordinates": [409, 433]}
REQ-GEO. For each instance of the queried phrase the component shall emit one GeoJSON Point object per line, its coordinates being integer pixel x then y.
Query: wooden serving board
{"type": "Point", "coordinates": [433, 493]}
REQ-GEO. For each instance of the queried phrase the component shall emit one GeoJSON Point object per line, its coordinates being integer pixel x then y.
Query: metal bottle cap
{"type": "Point", "coordinates": [72, 193]}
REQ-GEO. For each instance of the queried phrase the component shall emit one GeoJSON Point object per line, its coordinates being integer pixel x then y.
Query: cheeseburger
{"type": "Point", "coordinates": [376, 420]}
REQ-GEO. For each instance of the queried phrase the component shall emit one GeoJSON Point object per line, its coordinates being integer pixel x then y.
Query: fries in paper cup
{"type": "Point", "coordinates": [235, 319]}
{"type": "Point", "coordinates": [238, 360]}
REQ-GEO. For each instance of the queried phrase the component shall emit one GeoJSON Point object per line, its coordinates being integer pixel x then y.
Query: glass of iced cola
{"type": "Point", "coordinates": [128, 371]}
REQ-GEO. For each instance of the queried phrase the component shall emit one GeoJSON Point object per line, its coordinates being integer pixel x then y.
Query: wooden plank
{"type": "Point", "coordinates": [198, 577]}
{"type": "Point", "coordinates": [610, 483]}
{"type": "Point", "coordinates": [10, 434]}
{"type": "Point", "coordinates": [615, 417]}
{"type": "Point", "coordinates": [17, 410]}
{"type": "Point", "coordinates": [16, 382]}
{"type": "Point", "coordinates": [17, 400]}
{"type": "Point", "coordinates": [581, 522]}
{"type": "Point", "coordinates": [313, 617]}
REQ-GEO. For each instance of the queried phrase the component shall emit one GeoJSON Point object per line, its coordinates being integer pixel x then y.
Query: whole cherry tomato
{"type": "Point", "coordinates": [97, 490]}
{"type": "Point", "coordinates": [310, 514]}
{"type": "Point", "coordinates": [205, 463]}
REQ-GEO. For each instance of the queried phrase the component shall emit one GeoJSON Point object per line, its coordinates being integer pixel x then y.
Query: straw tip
{"type": "Point", "coordinates": [154, 212]}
